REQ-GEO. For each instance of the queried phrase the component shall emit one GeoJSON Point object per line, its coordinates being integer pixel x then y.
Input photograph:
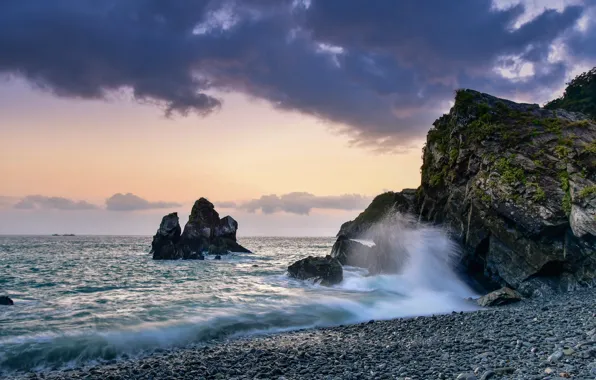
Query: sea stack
{"type": "Point", "coordinates": [514, 183]}
{"type": "Point", "coordinates": [205, 233]}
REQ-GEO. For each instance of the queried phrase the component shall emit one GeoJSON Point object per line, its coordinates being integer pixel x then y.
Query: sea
{"type": "Point", "coordinates": [85, 300]}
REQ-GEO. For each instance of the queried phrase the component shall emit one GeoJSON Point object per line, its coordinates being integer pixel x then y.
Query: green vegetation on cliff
{"type": "Point", "coordinates": [579, 96]}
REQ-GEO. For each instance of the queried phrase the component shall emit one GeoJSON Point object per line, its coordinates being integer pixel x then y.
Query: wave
{"type": "Point", "coordinates": [426, 284]}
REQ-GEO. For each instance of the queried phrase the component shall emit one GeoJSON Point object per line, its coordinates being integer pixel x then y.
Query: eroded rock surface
{"type": "Point", "coordinates": [515, 184]}
{"type": "Point", "coordinates": [205, 233]}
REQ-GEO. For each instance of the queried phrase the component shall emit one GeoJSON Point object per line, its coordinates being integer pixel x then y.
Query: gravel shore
{"type": "Point", "coordinates": [547, 338]}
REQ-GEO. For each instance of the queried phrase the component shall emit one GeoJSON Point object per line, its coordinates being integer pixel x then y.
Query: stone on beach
{"type": "Point", "coordinates": [499, 297]}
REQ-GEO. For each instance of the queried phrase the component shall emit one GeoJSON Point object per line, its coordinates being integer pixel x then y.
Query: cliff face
{"type": "Point", "coordinates": [516, 186]}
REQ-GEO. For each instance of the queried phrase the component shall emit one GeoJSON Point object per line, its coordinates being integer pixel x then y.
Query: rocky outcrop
{"type": "Point", "coordinates": [165, 241]}
{"type": "Point", "coordinates": [378, 257]}
{"type": "Point", "coordinates": [515, 184]}
{"type": "Point", "coordinates": [325, 270]}
{"type": "Point", "coordinates": [499, 297]}
{"type": "Point", "coordinates": [403, 202]}
{"type": "Point", "coordinates": [6, 301]}
{"type": "Point", "coordinates": [205, 233]}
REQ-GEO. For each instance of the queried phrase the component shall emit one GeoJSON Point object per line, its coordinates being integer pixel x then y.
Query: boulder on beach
{"type": "Point", "coordinates": [499, 297]}
{"type": "Point", "coordinates": [325, 270]}
{"type": "Point", "coordinates": [6, 301]}
{"type": "Point", "coordinates": [205, 233]}
{"type": "Point", "coordinates": [514, 184]}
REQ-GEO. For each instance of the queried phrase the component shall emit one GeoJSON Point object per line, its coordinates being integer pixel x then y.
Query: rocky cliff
{"type": "Point", "coordinates": [205, 233]}
{"type": "Point", "coordinates": [515, 184]}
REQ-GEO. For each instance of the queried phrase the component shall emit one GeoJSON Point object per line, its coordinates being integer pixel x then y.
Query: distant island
{"type": "Point", "coordinates": [63, 235]}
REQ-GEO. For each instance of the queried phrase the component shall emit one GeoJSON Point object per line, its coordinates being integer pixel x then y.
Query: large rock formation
{"type": "Point", "coordinates": [325, 270]}
{"type": "Point", "coordinates": [515, 184]}
{"type": "Point", "coordinates": [205, 233]}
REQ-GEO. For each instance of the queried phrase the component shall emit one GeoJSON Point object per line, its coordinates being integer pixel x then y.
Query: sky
{"type": "Point", "coordinates": [288, 115]}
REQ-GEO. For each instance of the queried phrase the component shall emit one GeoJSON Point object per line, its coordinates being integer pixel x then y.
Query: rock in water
{"type": "Point", "coordinates": [499, 297]}
{"type": "Point", "coordinates": [403, 202]}
{"type": "Point", "coordinates": [326, 270]}
{"type": "Point", "coordinates": [164, 244]}
{"type": "Point", "coordinates": [205, 233]}
{"type": "Point", "coordinates": [6, 301]}
{"type": "Point", "coordinates": [350, 252]}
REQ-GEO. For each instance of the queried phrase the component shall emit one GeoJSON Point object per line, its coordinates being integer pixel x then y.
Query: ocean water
{"type": "Point", "coordinates": [89, 299]}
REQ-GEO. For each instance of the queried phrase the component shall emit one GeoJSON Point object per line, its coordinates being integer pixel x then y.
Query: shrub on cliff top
{"type": "Point", "coordinates": [579, 96]}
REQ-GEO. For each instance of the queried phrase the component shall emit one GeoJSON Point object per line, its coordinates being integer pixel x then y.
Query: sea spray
{"type": "Point", "coordinates": [136, 305]}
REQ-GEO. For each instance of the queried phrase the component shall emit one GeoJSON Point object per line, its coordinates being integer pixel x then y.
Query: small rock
{"type": "Point", "coordinates": [565, 375]}
{"type": "Point", "coordinates": [326, 270]}
{"type": "Point", "coordinates": [548, 370]}
{"type": "Point", "coordinates": [6, 301]}
{"type": "Point", "coordinates": [466, 376]}
{"type": "Point", "coordinates": [487, 375]}
{"type": "Point", "coordinates": [568, 351]}
{"type": "Point", "coordinates": [499, 297]}
{"type": "Point", "coordinates": [504, 370]}
{"type": "Point", "coordinates": [556, 356]}
{"type": "Point", "coordinates": [217, 257]}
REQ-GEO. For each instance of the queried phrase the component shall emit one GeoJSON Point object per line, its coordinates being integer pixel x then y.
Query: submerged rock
{"type": "Point", "coordinates": [326, 270]}
{"type": "Point", "coordinates": [205, 233]}
{"type": "Point", "coordinates": [514, 184]}
{"type": "Point", "coordinates": [6, 301]}
{"type": "Point", "coordinates": [499, 297]}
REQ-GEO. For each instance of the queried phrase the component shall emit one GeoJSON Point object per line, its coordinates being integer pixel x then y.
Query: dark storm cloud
{"type": "Point", "coordinates": [131, 202]}
{"type": "Point", "coordinates": [37, 202]}
{"type": "Point", "coordinates": [302, 203]}
{"type": "Point", "coordinates": [383, 72]}
{"type": "Point", "coordinates": [582, 43]}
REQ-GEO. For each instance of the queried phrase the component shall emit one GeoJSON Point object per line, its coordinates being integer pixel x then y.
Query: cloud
{"type": "Point", "coordinates": [7, 202]}
{"type": "Point", "coordinates": [301, 203]}
{"type": "Point", "coordinates": [226, 205]}
{"type": "Point", "coordinates": [131, 202]}
{"type": "Point", "coordinates": [382, 72]}
{"type": "Point", "coordinates": [37, 202]}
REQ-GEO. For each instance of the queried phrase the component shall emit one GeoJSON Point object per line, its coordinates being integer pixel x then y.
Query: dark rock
{"type": "Point", "coordinates": [515, 185]}
{"type": "Point", "coordinates": [227, 228]}
{"type": "Point", "coordinates": [326, 270]}
{"type": "Point", "coordinates": [205, 233]}
{"type": "Point", "coordinates": [499, 297]}
{"type": "Point", "coordinates": [6, 301]}
{"type": "Point", "coordinates": [164, 244]}
{"type": "Point", "coordinates": [403, 202]}
{"type": "Point", "coordinates": [218, 257]}
{"type": "Point", "coordinates": [350, 252]}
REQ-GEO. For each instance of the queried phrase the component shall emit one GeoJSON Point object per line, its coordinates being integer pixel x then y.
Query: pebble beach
{"type": "Point", "coordinates": [542, 338]}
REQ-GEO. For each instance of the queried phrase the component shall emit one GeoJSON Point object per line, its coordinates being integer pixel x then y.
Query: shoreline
{"type": "Point", "coordinates": [540, 338]}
